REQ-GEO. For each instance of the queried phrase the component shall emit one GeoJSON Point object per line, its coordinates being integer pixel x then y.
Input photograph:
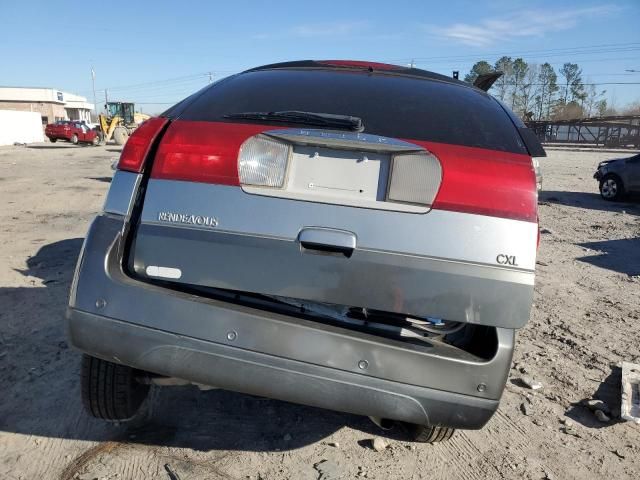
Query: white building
{"type": "Point", "coordinates": [52, 104]}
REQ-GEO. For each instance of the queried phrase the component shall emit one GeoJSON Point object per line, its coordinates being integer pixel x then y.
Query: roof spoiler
{"type": "Point", "coordinates": [486, 80]}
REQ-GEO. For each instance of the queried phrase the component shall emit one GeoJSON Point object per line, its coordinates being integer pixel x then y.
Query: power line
{"type": "Point", "coordinates": [584, 84]}
{"type": "Point", "coordinates": [581, 50]}
{"type": "Point", "coordinates": [554, 51]}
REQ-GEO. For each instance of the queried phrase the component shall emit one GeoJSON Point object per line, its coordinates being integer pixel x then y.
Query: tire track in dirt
{"type": "Point", "coordinates": [80, 462]}
{"type": "Point", "coordinates": [139, 461]}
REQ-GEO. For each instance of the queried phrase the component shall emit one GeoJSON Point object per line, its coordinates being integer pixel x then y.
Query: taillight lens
{"type": "Point", "coordinates": [137, 147]}
{"type": "Point", "coordinates": [415, 178]}
{"type": "Point", "coordinates": [263, 162]}
{"type": "Point", "coordinates": [486, 182]}
{"type": "Point", "coordinates": [204, 152]}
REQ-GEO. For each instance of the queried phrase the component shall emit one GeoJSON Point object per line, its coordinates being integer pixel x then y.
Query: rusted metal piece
{"type": "Point", "coordinates": [612, 131]}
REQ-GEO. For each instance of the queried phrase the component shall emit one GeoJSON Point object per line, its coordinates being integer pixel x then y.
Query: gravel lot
{"type": "Point", "coordinates": [584, 323]}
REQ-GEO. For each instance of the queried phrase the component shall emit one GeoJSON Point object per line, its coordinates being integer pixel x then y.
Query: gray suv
{"type": "Point", "coordinates": [348, 235]}
{"type": "Point", "coordinates": [618, 177]}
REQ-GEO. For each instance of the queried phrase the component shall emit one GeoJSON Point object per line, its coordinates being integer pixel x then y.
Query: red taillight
{"type": "Point", "coordinates": [137, 147]}
{"type": "Point", "coordinates": [202, 151]}
{"type": "Point", "coordinates": [360, 64]}
{"type": "Point", "coordinates": [486, 182]}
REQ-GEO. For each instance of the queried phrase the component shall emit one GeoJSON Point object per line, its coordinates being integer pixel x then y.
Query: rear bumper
{"type": "Point", "coordinates": [254, 373]}
{"type": "Point", "coordinates": [245, 349]}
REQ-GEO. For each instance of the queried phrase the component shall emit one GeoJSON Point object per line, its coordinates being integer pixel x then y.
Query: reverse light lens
{"type": "Point", "coordinates": [415, 178]}
{"type": "Point", "coordinates": [263, 162]}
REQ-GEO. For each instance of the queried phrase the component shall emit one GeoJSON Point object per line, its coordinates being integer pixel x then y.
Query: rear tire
{"type": "Point", "coordinates": [611, 187]}
{"type": "Point", "coordinates": [111, 391]}
{"type": "Point", "coordinates": [96, 141]}
{"type": "Point", "coordinates": [53, 140]}
{"type": "Point", "coordinates": [427, 433]}
{"type": "Point", "coordinates": [74, 139]}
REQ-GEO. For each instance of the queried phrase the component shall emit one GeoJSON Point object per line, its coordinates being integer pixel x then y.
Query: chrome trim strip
{"type": "Point", "coordinates": [350, 140]}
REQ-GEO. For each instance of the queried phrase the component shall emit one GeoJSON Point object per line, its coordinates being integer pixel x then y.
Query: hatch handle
{"type": "Point", "coordinates": [327, 241]}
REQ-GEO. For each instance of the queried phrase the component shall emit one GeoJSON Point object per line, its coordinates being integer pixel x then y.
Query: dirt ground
{"type": "Point", "coordinates": [585, 321]}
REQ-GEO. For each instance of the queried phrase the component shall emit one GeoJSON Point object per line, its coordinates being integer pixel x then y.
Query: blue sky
{"type": "Point", "coordinates": [155, 53]}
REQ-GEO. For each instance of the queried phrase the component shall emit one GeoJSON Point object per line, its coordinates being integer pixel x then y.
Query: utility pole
{"type": "Point", "coordinates": [412, 64]}
{"type": "Point", "coordinates": [210, 77]}
{"type": "Point", "coordinates": [93, 84]}
{"type": "Point", "coordinates": [106, 99]}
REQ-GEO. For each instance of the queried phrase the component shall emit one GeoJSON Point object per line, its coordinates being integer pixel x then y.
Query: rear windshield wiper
{"type": "Point", "coordinates": [345, 122]}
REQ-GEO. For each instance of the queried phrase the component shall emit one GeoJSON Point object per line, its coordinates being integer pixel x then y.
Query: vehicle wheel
{"type": "Point", "coordinates": [428, 434]}
{"type": "Point", "coordinates": [111, 391]}
{"type": "Point", "coordinates": [611, 187]}
{"type": "Point", "coordinates": [96, 141]}
{"type": "Point", "coordinates": [53, 140]}
{"type": "Point", "coordinates": [74, 139]}
{"type": "Point", "coordinates": [120, 135]}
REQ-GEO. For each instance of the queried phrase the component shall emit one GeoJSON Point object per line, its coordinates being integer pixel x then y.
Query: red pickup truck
{"type": "Point", "coordinates": [72, 131]}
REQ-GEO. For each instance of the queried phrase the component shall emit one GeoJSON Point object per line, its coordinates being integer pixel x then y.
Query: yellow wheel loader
{"type": "Point", "coordinates": [120, 121]}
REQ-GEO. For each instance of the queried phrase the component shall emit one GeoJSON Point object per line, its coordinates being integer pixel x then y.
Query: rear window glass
{"type": "Point", "coordinates": [389, 105]}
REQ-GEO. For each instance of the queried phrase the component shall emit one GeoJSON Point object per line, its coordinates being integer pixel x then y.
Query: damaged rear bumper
{"type": "Point", "coordinates": [249, 350]}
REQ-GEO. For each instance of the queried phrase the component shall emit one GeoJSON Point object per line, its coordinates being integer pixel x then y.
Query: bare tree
{"type": "Point", "coordinates": [592, 101]}
{"type": "Point", "coordinates": [632, 109]}
{"type": "Point", "coordinates": [601, 107]}
{"type": "Point", "coordinates": [528, 90]}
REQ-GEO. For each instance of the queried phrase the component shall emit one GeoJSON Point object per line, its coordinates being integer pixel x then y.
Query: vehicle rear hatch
{"type": "Point", "coordinates": [431, 211]}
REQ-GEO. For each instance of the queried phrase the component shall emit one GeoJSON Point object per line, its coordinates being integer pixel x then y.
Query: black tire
{"type": "Point", "coordinates": [96, 141]}
{"type": "Point", "coordinates": [428, 434]}
{"type": "Point", "coordinates": [53, 140]}
{"type": "Point", "coordinates": [611, 187]}
{"type": "Point", "coordinates": [120, 135]}
{"type": "Point", "coordinates": [111, 391]}
{"type": "Point", "coordinates": [74, 139]}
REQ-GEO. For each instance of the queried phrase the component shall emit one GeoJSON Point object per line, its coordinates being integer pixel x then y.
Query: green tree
{"type": "Point", "coordinates": [479, 68]}
{"type": "Point", "coordinates": [573, 85]}
{"type": "Point", "coordinates": [519, 71]}
{"type": "Point", "coordinates": [547, 80]}
{"type": "Point", "coordinates": [503, 84]}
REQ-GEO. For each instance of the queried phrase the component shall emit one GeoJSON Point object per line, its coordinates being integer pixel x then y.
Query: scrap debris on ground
{"type": "Point", "coordinates": [567, 366]}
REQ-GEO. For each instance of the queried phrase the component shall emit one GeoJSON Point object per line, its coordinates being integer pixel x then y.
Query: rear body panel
{"type": "Point", "coordinates": [272, 354]}
{"type": "Point", "coordinates": [442, 264]}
